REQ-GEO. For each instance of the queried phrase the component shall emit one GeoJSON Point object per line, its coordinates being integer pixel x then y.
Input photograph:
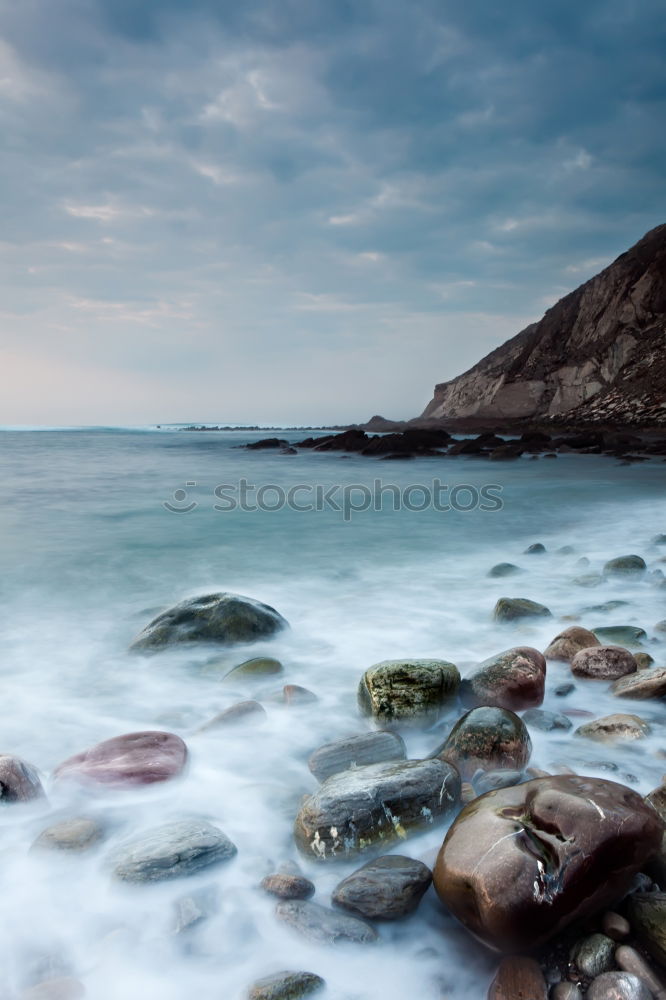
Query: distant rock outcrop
{"type": "Point", "coordinates": [598, 355]}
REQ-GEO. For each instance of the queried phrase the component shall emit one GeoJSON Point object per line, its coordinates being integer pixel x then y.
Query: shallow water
{"type": "Point", "coordinates": [89, 554]}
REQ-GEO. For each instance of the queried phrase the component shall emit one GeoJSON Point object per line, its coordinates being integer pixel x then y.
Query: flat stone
{"type": "Point", "coordinates": [614, 727]}
{"type": "Point", "coordinates": [131, 759]}
{"type": "Point", "coordinates": [240, 713]}
{"type": "Point", "coordinates": [74, 835]}
{"type": "Point", "coordinates": [356, 751]}
{"type": "Point", "coordinates": [593, 955]}
{"type": "Point", "coordinates": [19, 781]}
{"type": "Point", "coordinates": [642, 685]}
{"type": "Point", "coordinates": [603, 662]}
{"type": "Point", "coordinates": [618, 986]}
{"type": "Point", "coordinates": [258, 666]}
{"type": "Point", "coordinates": [170, 851]}
{"type": "Point", "coordinates": [566, 644]}
{"type": "Point", "coordinates": [317, 923]}
{"type": "Point", "coordinates": [588, 580]}
{"type": "Point", "coordinates": [536, 718]}
{"type": "Point", "coordinates": [514, 679]}
{"type": "Point", "coordinates": [288, 886]}
{"type": "Point", "coordinates": [407, 691]}
{"type": "Point", "coordinates": [227, 619]}
{"type": "Point", "coordinates": [621, 635]}
{"type": "Point", "coordinates": [286, 986]}
{"type": "Point", "coordinates": [510, 609]}
{"type": "Point", "coordinates": [489, 739]}
{"type": "Point", "coordinates": [518, 979]}
{"type": "Point", "coordinates": [357, 809]}
{"type": "Point", "coordinates": [387, 888]}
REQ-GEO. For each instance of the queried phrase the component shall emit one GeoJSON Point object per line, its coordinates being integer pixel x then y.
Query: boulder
{"type": "Point", "coordinates": [73, 835]}
{"type": "Point", "coordinates": [172, 850]}
{"type": "Point", "coordinates": [536, 718]}
{"type": "Point", "coordinates": [407, 691]}
{"type": "Point", "coordinates": [566, 644]}
{"type": "Point", "coordinates": [489, 739]}
{"type": "Point", "coordinates": [625, 566]}
{"type": "Point", "coordinates": [319, 924]}
{"type": "Point", "coordinates": [518, 978]}
{"type": "Point", "coordinates": [514, 679]}
{"type": "Point", "coordinates": [603, 662]}
{"type": "Point", "coordinates": [19, 781]}
{"type": "Point", "coordinates": [618, 986]}
{"type": "Point", "coordinates": [511, 609]}
{"type": "Point", "coordinates": [614, 727]}
{"type": "Point", "coordinates": [642, 685]}
{"type": "Point", "coordinates": [521, 863]}
{"type": "Point", "coordinates": [384, 889]}
{"type": "Point", "coordinates": [356, 751]}
{"type": "Point", "coordinates": [131, 759]}
{"type": "Point", "coordinates": [286, 986]}
{"type": "Point", "coordinates": [223, 618]}
{"type": "Point", "coordinates": [359, 809]}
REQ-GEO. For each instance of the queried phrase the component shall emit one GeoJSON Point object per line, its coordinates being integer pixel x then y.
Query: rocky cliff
{"type": "Point", "coordinates": [598, 355]}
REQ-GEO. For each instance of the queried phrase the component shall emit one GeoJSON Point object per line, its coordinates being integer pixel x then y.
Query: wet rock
{"type": "Point", "coordinates": [519, 864]}
{"type": "Point", "coordinates": [258, 666]}
{"type": "Point", "coordinates": [625, 566]}
{"type": "Point", "coordinates": [62, 988]}
{"type": "Point", "coordinates": [272, 442]}
{"type": "Point", "coordinates": [562, 690]}
{"type": "Point", "coordinates": [594, 955]}
{"type": "Point", "coordinates": [366, 806]}
{"type": "Point", "coordinates": [629, 960]}
{"type": "Point", "coordinates": [647, 915]}
{"type": "Point", "coordinates": [356, 751]}
{"type": "Point", "coordinates": [294, 694]}
{"type": "Point", "coordinates": [317, 923]}
{"type": "Point", "coordinates": [588, 580]}
{"type": "Point", "coordinates": [286, 986]}
{"type": "Point", "coordinates": [170, 851]}
{"type": "Point", "coordinates": [241, 712]}
{"type": "Point", "coordinates": [642, 685]}
{"type": "Point", "coordinates": [565, 991]}
{"type": "Point", "coordinates": [74, 835]}
{"type": "Point", "coordinates": [414, 691]}
{"type": "Point", "coordinates": [514, 679]}
{"type": "Point", "coordinates": [661, 626]}
{"type": "Point", "coordinates": [566, 644]}
{"type": "Point", "coordinates": [19, 781]}
{"type": "Point", "coordinates": [518, 979]}
{"type": "Point", "coordinates": [615, 926]}
{"type": "Point", "coordinates": [384, 889]}
{"type": "Point", "coordinates": [486, 738]}
{"type": "Point", "coordinates": [193, 909]}
{"type": "Point", "coordinates": [131, 759]}
{"type": "Point", "coordinates": [510, 609]}
{"type": "Point", "coordinates": [536, 718]}
{"type": "Point", "coordinates": [603, 662]}
{"type": "Point", "coordinates": [643, 661]}
{"type": "Point", "coordinates": [614, 727]}
{"type": "Point", "coordinates": [487, 781]}
{"type": "Point", "coordinates": [223, 618]}
{"type": "Point", "coordinates": [621, 635]}
{"type": "Point", "coordinates": [504, 569]}
{"type": "Point", "coordinates": [537, 549]}
{"type": "Point", "coordinates": [618, 986]}
{"type": "Point", "coordinates": [288, 885]}
{"type": "Point", "coordinates": [659, 540]}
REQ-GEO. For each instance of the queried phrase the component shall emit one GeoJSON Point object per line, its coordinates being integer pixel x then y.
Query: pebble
{"type": "Point", "coordinates": [615, 926]}
{"type": "Point", "coordinates": [171, 850]}
{"type": "Point", "coordinates": [387, 888]}
{"type": "Point", "coordinates": [75, 835]}
{"type": "Point", "coordinates": [593, 955]}
{"type": "Point", "coordinates": [288, 886]}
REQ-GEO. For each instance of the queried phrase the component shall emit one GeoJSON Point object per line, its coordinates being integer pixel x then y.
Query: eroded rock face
{"type": "Point", "coordinates": [489, 739]}
{"type": "Point", "coordinates": [569, 642]}
{"type": "Point", "coordinates": [356, 751]}
{"type": "Point", "coordinates": [131, 759]}
{"type": "Point", "coordinates": [355, 810]}
{"type": "Point", "coordinates": [603, 662]}
{"type": "Point", "coordinates": [228, 619]}
{"type": "Point", "coordinates": [407, 691]}
{"type": "Point", "coordinates": [514, 679]}
{"type": "Point", "coordinates": [521, 863]}
{"type": "Point", "coordinates": [19, 781]}
{"type": "Point", "coordinates": [511, 609]}
{"type": "Point", "coordinates": [384, 889]}
{"type": "Point", "coordinates": [172, 850]}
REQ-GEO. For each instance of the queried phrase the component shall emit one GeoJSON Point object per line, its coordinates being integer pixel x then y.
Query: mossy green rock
{"type": "Point", "coordinates": [286, 986]}
{"type": "Point", "coordinates": [510, 609]}
{"type": "Point", "coordinates": [407, 691]}
{"type": "Point", "coordinates": [625, 566]}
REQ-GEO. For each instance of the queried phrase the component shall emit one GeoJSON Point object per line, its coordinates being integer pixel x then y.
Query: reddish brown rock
{"type": "Point", "coordinates": [603, 662]}
{"type": "Point", "coordinates": [491, 739]}
{"type": "Point", "coordinates": [19, 781]}
{"type": "Point", "coordinates": [565, 645]}
{"type": "Point", "coordinates": [132, 759]}
{"type": "Point", "coordinates": [521, 863]}
{"type": "Point", "coordinates": [514, 679]}
{"type": "Point", "coordinates": [288, 885]}
{"type": "Point", "coordinates": [518, 979]}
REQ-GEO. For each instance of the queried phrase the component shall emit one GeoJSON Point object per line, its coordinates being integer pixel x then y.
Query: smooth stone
{"type": "Point", "coordinates": [621, 635]}
{"type": "Point", "coordinates": [317, 923]}
{"type": "Point", "coordinates": [518, 979]}
{"type": "Point", "coordinates": [171, 850]}
{"type": "Point", "coordinates": [643, 661]}
{"type": "Point", "coordinates": [509, 609]}
{"type": "Point", "coordinates": [603, 662]}
{"type": "Point", "coordinates": [521, 863]}
{"type": "Point", "coordinates": [414, 691]}
{"type": "Point", "coordinates": [537, 549]}
{"type": "Point", "coordinates": [294, 694]}
{"type": "Point", "coordinates": [588, 580]}
{"type": "Point", "coordinates": [192, 909]}
{"type": "Point", "coordinates": [241, 712]}
{"type": "Point", "coordinates": [593, 955]}
{"type": "Point", "coordinates": [564, 689]}
{"type": "Point", "coordinates": [661, 626]}
{"type": "Point", "coordinates": [514, 679]}
{"type": "Point", "coordinates": [618, 986]}
{"type": "Point", "coordinates": [615, 925]}
{"type": "Point", "coordinates": [646, 912]}
{"type": "Point", "coordinates": [286, 986]}
{"type": "Point", "coordinates": [629, 960]}
{"type": "Point", "coordinates": [131, 759]}
{"type": "Point", "coordinates": [258, 666]}
{"type": "Point", "coordinates": [223, 618]}
{"type": "Point", "coordinates": [285, 885]}
{"type": "Point", "coordinates": [74, 835]}
{"type": "Point", "coordinates": [625, 566]}
{"type": "Point", "coordinates": [356, 751]}
{"type": "Point", "coordinates": [614, 727]}
{"type": "Point", "coordinates": [61, 988]}
{"type": "Point", "coordinates": [602, 609]}
{"type": "Point", "coordinates": [387, 888]}
{"type": "Point", "coordinates": [504, 569]}
{"type": "Point", "coordinates": [19, 781]}
{"type": "Point", "coordinates": [487, 738]}
{"type": "Point", "coordinates": [659, 540]}
{"type": "Point", "coordinates": [357, 809]}
{"type": "Point", "coordinates": [645, 684]}
{"type": "Point", "coordinates": [565, 991]}
{"type": "Point", "coordinates": [546, 721]}
{"type": "Point", "coordinates": [566, 644]}
{"type": "Point", "coordinates": [487, 781]}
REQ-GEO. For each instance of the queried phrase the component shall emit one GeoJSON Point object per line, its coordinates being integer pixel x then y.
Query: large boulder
{"type": "Point", "coordinates": [407, 691]}
{"type": "Point", "coordinates": [511, 609]}
{"type": "Point", "coordinates": [359, 809]}
{"type": "Point", "coordinates": [356, 751]}
{"type": "Point", "coordinates": [384, 889]}
{"type": "Point", "coordinates": [131, 759]}
{"type": "Point", "coordinates": [171, 850]}
{"type": "Point", "coordinates": [566, 644]}
{"type": "Point", "coordinates": [514, 679]}
{"type": "Point", "coordinates": [228, 619]}
{"type": "Point", "coordinates": [521, 863]}
{"type": "Point", "coordinates": [19, 781]}
{"type": "Point", "coordinates": [488, 739]}
{"type": "Point", "coordinates": [603, 662]}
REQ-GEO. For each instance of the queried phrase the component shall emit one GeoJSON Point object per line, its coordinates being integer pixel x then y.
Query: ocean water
{"type": "Point", "coordinates": [90, 551]}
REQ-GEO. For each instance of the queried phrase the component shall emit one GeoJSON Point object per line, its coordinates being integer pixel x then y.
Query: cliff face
{"type": "Point", "coordinates": [599, 354]}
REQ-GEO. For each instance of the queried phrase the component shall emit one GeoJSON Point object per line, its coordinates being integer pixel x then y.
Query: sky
{"type": "Point", "coordinates": [305, 211]}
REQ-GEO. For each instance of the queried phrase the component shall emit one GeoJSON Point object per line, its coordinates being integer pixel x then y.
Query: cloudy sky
{"type": "Point", "coordinates": [306, 210]}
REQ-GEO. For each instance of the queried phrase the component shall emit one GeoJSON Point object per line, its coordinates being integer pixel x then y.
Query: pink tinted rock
{"type": "Point", "coordinates": [19, 781]}
{"type": "Point", "coordinates": [131, 759]}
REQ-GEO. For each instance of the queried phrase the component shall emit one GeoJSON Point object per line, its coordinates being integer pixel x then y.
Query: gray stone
{"type": "Point", "coordinates": [621, 635]}
{"type": "Point", "coordinates": [625, 566]}
{"type": "Point", "coordinates": [505, 569]}
{"type": "Point", "coordinates": [618, 986]}
{"type": "Point", "coordinates": [546, 721]}
{"type": "Point", "coordinates": [74, 835]}
{"type": "Point", "coordinates": [510, 609]}
{"type": "Point", "coordinates": [642, 685]}
{"type": "Point", "coordinates": [565, 991]}
{"type": "Point", "coordinates": [614, 727]}
{"type": "Point", "coordinates": [19, 781]}
{"type": "Point", "coordinates": [286, 986]}
{"type": "Point", "coordinates": [536, 549]}
{"type": "Point", "coordinates": [170, 851]}
{"type": "Point", "coordinates": [615, 926]}
{"type": "Point", "coordinates": [317, 923]}
{"type": "Point", "coordinates": [603, 662]}
{"type": "Point", "coordinates": [562, 690]}
{"type": "Point", "coordinates": [356, 751]}
{"type": "Point", "coordinates": [258, 666]}
{"type": "Point", "coordinates": [193, 909]}
{"type": "Point", "coordinates": [643, 661]}
{"type": "Point", "coordinates": [384, 889]}
{"type": "Point", "coordinates": [593, 955]}
{"type": "Point", "coordinates": [629, 960]}
{"type": "Point", "coordinates": [223, 618]}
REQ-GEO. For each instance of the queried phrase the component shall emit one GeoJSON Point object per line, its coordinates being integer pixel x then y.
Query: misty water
{"type": "Point", "coordinates": [90, 554]}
